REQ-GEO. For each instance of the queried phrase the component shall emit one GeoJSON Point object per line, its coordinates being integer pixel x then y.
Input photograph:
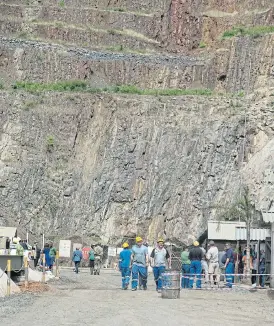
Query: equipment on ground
{"type": "Point", "coordinates": [171, 285]}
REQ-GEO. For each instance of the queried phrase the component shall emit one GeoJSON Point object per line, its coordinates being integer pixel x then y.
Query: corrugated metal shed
{"type": "Point", "coordinates": [8, 232]}
{"type": "Point", "coordinates": [224, 230]}
{"type": "Point", "coordinates": [268, 217]}
{"type": "Point", "coordinates": [255, 234]}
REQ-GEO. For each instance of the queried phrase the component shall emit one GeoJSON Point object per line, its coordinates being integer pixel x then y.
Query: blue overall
{"type": "Point", "coordinates": [195, 269]}
{"type": "Point", "coordinates": [157, 272]}
{"type": "Point", "coordinates": [229, 278]}
{"type": "Point", "coordinates": [124, 264]}
{"type": "Point", "coordinates": [185, 275]}
{"type": "Point", "coordinates": [139, 269]}
{"type": "Point", "coordinates": [125, 271]}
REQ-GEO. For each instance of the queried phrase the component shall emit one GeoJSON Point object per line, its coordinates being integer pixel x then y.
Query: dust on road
{"type": "Point", "coordinates": [98, 300]}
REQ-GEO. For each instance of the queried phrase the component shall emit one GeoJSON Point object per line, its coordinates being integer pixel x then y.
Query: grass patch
{"type": "Point", "coordinates": [119, 9]}
{"type": "Point", "coordinates": [82, 86]}
{"type": "Point", "coordinates": [29, 105]}
{"type": "Point", "coordinates": [254, 31]}
{"type": "Point", "coordinates": [62, 3]}
{"type": "Point", "coordinates": [202, 45]}
{"type": "Point", "coordinates": [1, 86]}
{"type": "Point", "coordinates": [58, 86]}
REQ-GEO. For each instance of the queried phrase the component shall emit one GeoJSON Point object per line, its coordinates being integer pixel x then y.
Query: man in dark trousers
{"type": "Point", "coordinates": [37, 253]}
{"type": "Point", "coordinates": [195, 257]}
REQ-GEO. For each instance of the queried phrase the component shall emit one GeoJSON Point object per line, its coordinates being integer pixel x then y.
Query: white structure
{"type": "Point", "coordinates": [223, 230]}
{"type": "Point", "coordinates": [65, 248]}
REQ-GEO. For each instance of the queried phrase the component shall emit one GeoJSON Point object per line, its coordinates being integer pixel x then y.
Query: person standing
{"type": "Point", "coordinates": [52, 253]}
{"type": "Point", "coordinates": [48, 260]}
{"type": "Point", "coordinates": [124, 265]}
{"type": "Point", "coordinates": [204, 265]}
{"type": "Point", "coordinates": [76, 258]}
{"type": "Point", "coordinates": [262, 269]}
{"type": "Point", "coordinates": [98, 254]}
{"type": "Point", "coordinates": [185, 268]}
{"type": "Point", "coordinates": [229, 265]}
{"type": "Point", "coordinates": [195, 256]}
{"type": "Point", "coordinates": [37, 252]}
{"type": "Point", "coordinates": [213, 266]}
{"type": "Point", "coordinates": [159, 259]}
{"type": "Point", "coordinates": [140, 262]}
{"type": "Point", "coordinates": [91, 258]}
{"type": "Point", "coordinates": [19, 249]}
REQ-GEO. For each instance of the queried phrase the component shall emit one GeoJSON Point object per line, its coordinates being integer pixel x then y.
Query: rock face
{"type": "Point", "coordinates": [116, 166]}
{"type": "Point", "coordinates": [104, 167]}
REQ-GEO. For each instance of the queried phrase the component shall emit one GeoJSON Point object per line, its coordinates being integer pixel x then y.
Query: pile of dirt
{"type": "Point", "coordinates": [34, 287]}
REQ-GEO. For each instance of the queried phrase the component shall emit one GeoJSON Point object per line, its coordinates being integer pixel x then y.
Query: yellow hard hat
{"type": "Point", "coordinates": [160, 240]}
{"type": "Point", "coordinates": [139, 239]}
{"type": "Point", "coordinates": [125, 245]}
{"type": "Point", "coordinates": [196, 243]}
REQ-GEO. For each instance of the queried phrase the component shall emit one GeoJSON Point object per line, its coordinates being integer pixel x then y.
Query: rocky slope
{"type": "Point", "coordinates": [108, 166]}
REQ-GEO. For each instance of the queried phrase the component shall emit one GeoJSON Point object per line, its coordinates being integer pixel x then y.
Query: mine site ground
{"type": "Point", "coordinates": [98, 300]}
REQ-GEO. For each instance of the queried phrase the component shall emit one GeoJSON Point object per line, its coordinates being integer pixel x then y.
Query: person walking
{"type": "Point", "coordinates": [262, 269]}
{"type": "Point", "coordinates": [213, 267]}
{"type": "Point", "coordinates": [91, 257]}
{"type": "Point", "coordinates": [76, 258]}
{"type": "Point", "coordinates": [195, 257]}
{"type": "Point", "coordinates": [229, 265]}
{"type": "Point", "coordinates": [140, 263]}
{"type": "Point", "coordinates": [185, 268]}
{"type": "Point", "coordinates": [124, 265]}
{"type": "Point", "coordinates": [160, 257]}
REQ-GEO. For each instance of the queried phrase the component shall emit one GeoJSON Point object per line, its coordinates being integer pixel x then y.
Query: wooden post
{"type": "Point", "coordinates": [26, 265]}
{"type": "Point", "coordinates": [44, 269]}
{"type": "Point", "coordinates": [8, 273]}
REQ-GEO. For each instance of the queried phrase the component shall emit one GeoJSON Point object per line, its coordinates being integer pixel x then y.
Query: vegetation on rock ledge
{"type": "Point", "coordinates": [82, 86]}
{"type": "Point", "coordinates": [254, 31]}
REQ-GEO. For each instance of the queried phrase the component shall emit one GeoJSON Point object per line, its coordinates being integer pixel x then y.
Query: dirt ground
{"type": "Point", "coordinates": [98, 300]}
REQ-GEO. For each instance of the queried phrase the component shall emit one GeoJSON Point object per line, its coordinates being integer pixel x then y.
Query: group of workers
{"type": "Point", "coordinates": [94, 256]}
{"type": "Point", "coordinates": [197, 262]}
{"type": "Point", "coordinates": [134, 262]}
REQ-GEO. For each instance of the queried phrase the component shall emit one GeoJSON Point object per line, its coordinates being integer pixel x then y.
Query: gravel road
{"type": "Point", "coordinates": [98, 300]}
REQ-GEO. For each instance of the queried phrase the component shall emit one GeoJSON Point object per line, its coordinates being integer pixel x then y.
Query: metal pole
{"type": "Point", "coordinates": [44, 269]}
{"type": "Point", "coordinates": [8, 273]}
{"type": "Point", "coordinates": [27, 237]}
{"type": "Point", "coordinates": [43, 240]}
{"type": "Point", "coordinates": [272, 257]}
{"type": "Point", "coordinates": [57, 264]}
{"type": "Point", "coordinates": [26, 265]}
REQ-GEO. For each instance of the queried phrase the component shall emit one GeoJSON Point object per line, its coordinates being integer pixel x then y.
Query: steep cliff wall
{"type": "Point", "coordinates": [108, 166]}
{"type": "Point", "coordinates": [111, 166]}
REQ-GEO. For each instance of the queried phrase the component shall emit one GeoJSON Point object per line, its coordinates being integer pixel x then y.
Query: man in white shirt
{"type": "Point", "coordinates": [213, 266]}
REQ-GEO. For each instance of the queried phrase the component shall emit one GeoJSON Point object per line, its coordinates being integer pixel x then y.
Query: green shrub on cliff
{"type": "Point", "coordinates": [254, 31]}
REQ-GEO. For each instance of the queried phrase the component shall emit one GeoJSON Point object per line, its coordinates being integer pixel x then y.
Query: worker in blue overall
{"type": "Point", "coordinates": [140, 262]}
{"type": "Point", "coordinates": [124, 265]}
{"type": "Point", "coordinates": [229, 265]}
{"type": "Point", "coordinates": [159, 259]}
